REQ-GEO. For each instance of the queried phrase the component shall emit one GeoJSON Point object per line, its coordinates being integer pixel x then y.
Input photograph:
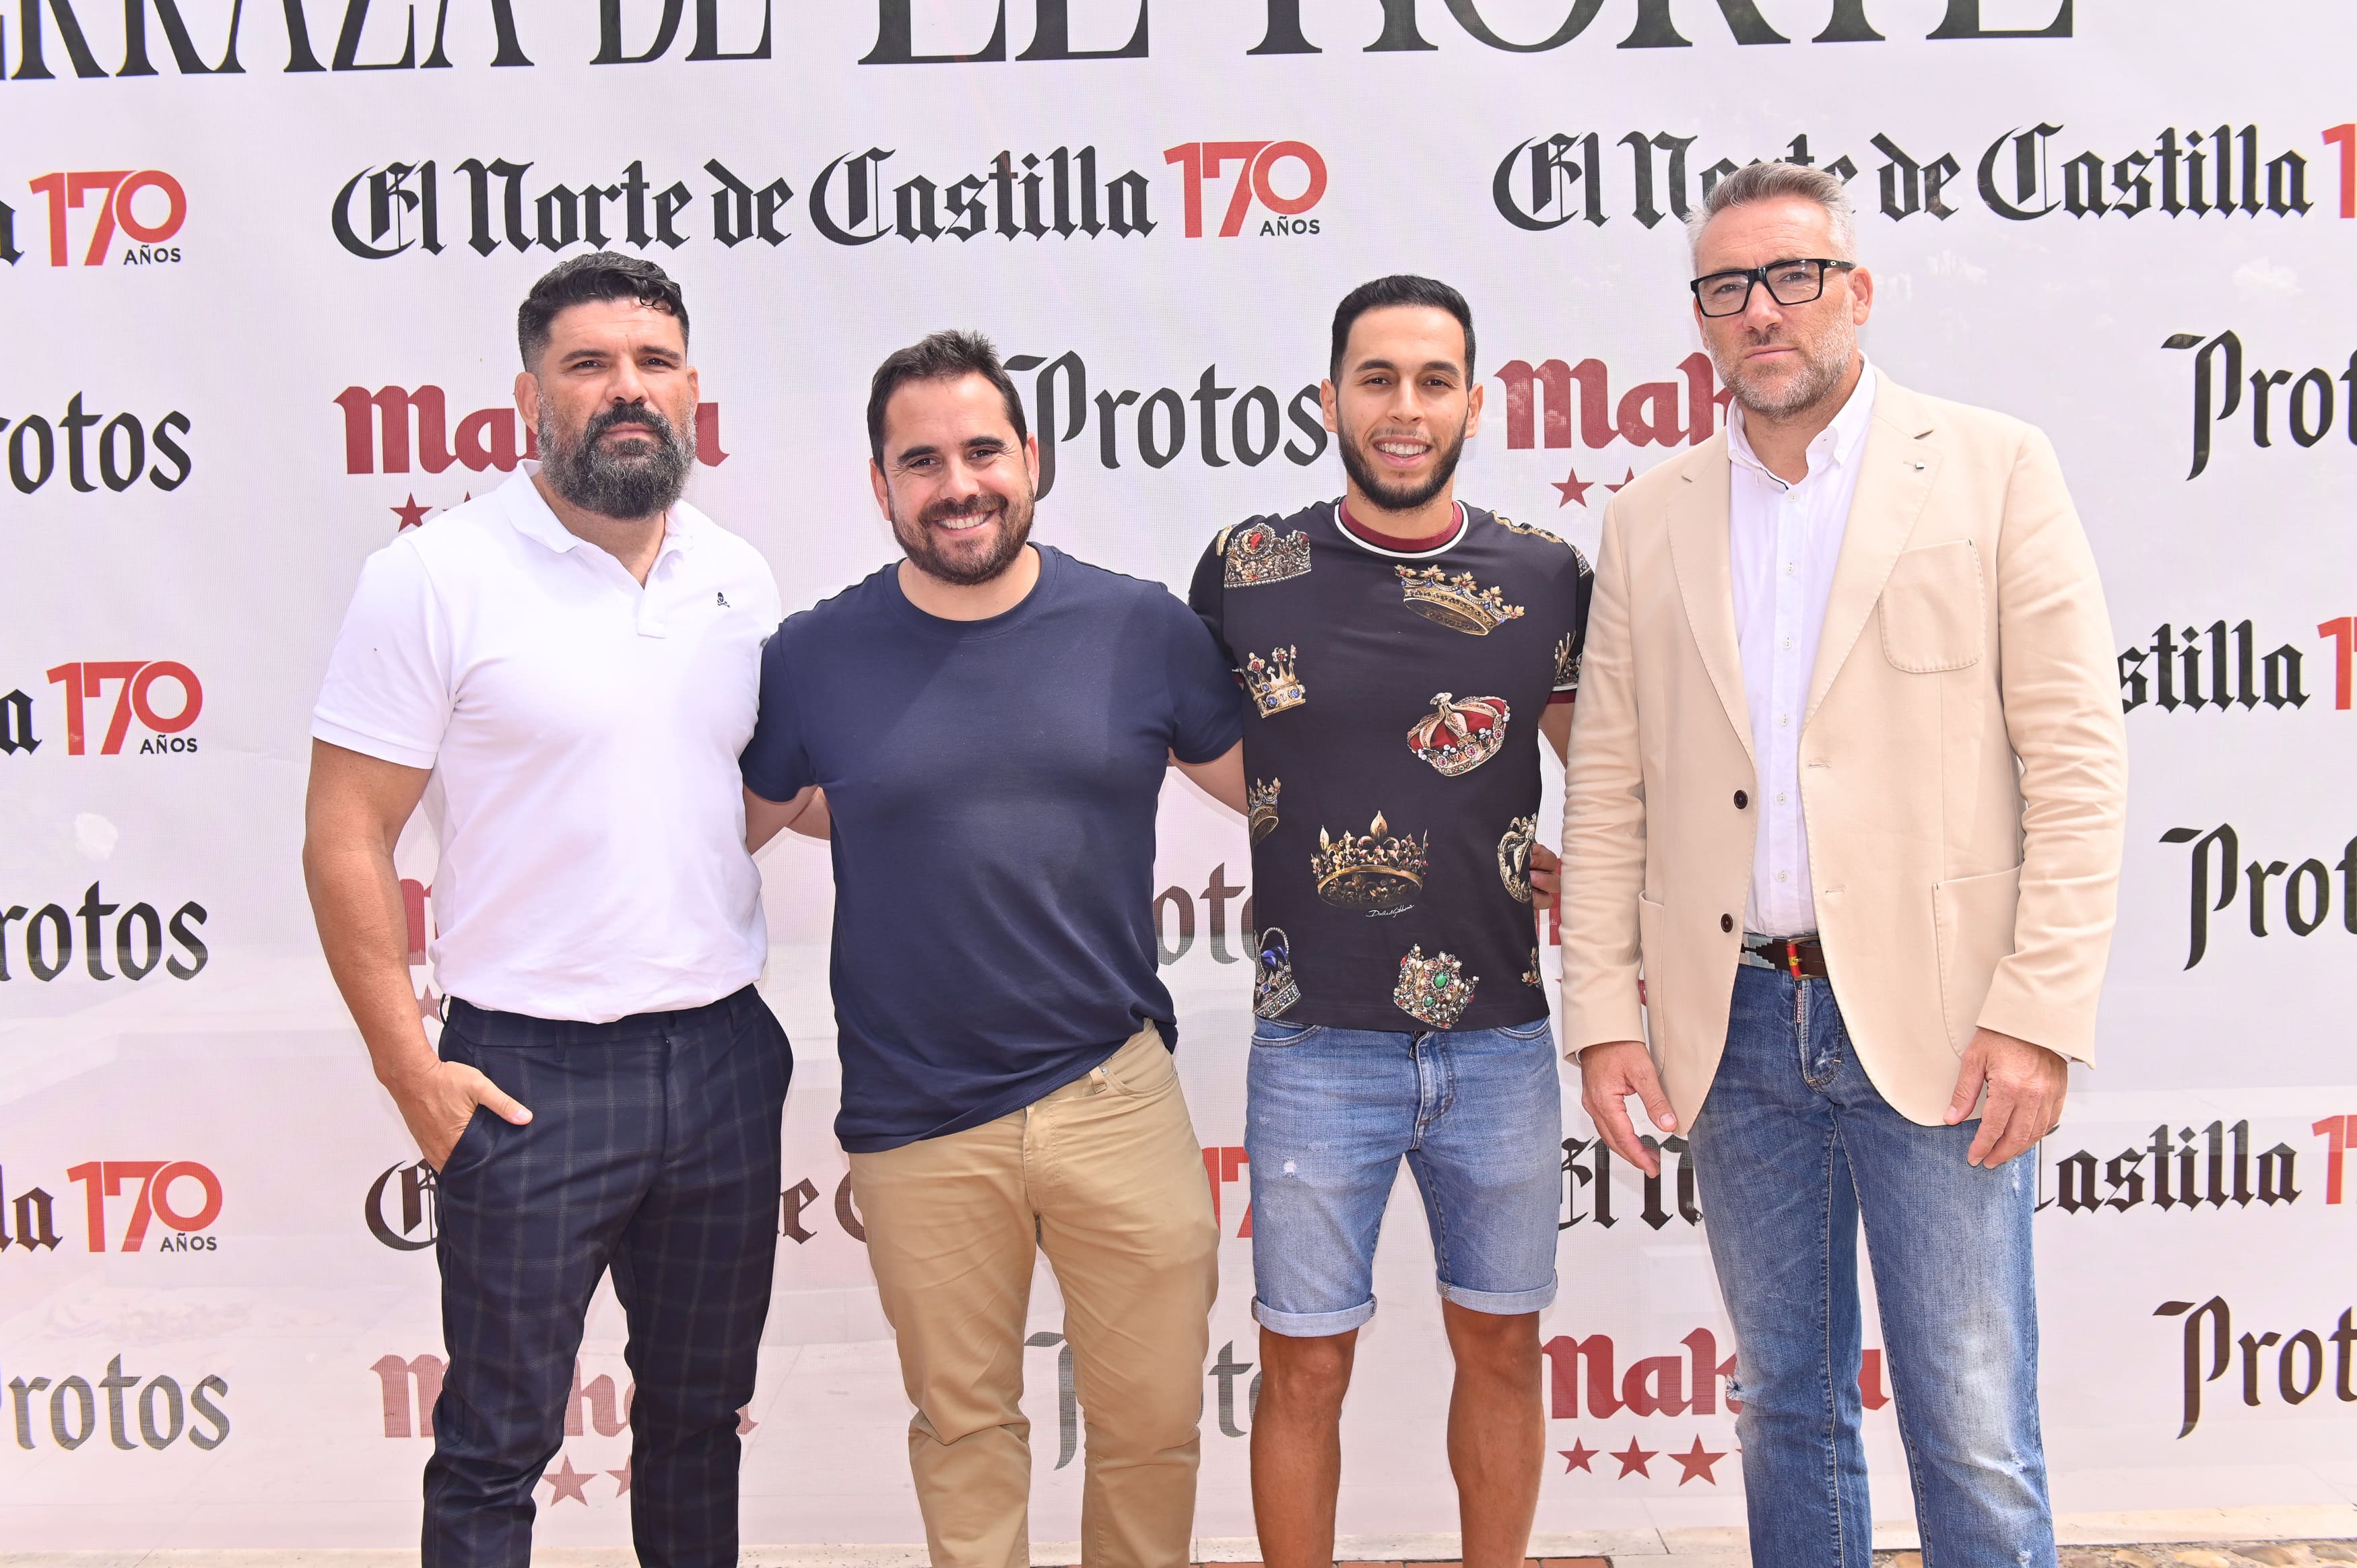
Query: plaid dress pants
{"type": "Point", "coordinates": [653, 1150]}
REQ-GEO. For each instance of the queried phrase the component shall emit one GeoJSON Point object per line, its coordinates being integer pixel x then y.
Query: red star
{"type": "Point", "coordinates": [1573, 490]}
{"type": "Point", "coordinates": [1578, 1457]}
{"type": "Point", "coordinates": [1696, 1461]}
{"type": "Point", "coordinates": [623, 1476]}
{"type": "Point", "coordinates": [411, 515]}
{"type": "Point", "coordinates": [429, 1005]}
{"type": "Point", "coordinates": [1626, 479]}
{"type": "Point", "coordinates": [1633, 1461]}
{"type": "Point", "coordinates": [569, 1483]}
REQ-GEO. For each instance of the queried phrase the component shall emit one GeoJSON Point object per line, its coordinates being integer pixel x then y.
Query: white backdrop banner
{"type": "Point", "coordinates": [262, 261]}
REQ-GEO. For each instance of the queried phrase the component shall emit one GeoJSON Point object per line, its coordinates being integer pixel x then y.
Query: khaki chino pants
{"type": "Point", "coordinates": [1106, 1175]}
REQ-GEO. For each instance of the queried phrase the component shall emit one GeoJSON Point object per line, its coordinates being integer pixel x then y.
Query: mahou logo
{"type": "Point", "coordinates": [386, 429]}
{"type": "Point", "coordinates": [140, 208]}
{"type": "Point", "coordinates": [1256, 180]}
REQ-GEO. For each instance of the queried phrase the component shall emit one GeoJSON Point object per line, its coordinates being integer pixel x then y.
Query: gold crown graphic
{"type": "Point", "coordinates": [1434, 990]}
{"type": "Point", "coordinates": [1260, 805]}
{"type": "Point", "coordinates": [1258, 554]}
{"type": "Point", "coordinates": [1514, 857]}
{"type": "Point", "coordinates": [1374, 872]}
{"type": "Point", "coordinates": [1275, 686]}
{"type": "Point", "coordinates": [1510, 526]}
{"type": "Point", "coordinates": [1530, 975]}
{"type": "Point", "coordinates": [1273, 989]}
{"type": "Point", "coordinates": [1455, 602]}
{"type": "Point", "coordinates": [1457, 737]}
{"type": "Point", "coordinates": [1567, 664]}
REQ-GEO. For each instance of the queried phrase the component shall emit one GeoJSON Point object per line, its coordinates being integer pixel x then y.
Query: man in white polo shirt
{"type": "Point", "coordinates": [575, 659]}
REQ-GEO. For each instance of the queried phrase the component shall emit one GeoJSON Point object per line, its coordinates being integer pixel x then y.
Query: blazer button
{"type": "Point", "coordinates": [1741, 800]}
{"type": "Point", "coordinates": [1727, 922]}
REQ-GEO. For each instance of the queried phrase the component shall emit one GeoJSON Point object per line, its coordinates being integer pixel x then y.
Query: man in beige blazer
{"type": "Point", "coordinates": [1842, 838]}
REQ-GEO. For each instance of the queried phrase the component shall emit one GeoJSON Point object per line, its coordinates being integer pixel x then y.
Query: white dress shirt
{"type": "Point", "coordinates": [1783, 541]}
{"type": "Point", "coordinates": [585, 732]}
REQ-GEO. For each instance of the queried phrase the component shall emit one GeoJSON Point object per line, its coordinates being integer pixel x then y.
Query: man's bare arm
{"type": "Point", "coordinates": [1555, 722]}
{"type": "Point", "coordinates": [352, 818]}
{"type": "Point", "coordinates": [1222, 778]}
{"type": "Point", "coordinates": [806, 814]}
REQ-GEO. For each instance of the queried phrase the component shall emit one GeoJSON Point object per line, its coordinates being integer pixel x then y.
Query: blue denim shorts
{"type": "Point", "coordinates": [1328, 1115]}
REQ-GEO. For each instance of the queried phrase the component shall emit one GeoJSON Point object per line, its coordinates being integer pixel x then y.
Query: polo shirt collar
{"type": "Point", "coordinates": [529, 510]}
{"type": "Point", "coordinates": [1835, 446]}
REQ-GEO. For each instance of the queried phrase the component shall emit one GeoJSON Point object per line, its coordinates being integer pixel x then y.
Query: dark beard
{"type": "Point", "coordinates": [1011, 533]}
{"type": "Point", "coordinates": [637, 481]}
{"type": "Point", "coordinates": [1390, 497]}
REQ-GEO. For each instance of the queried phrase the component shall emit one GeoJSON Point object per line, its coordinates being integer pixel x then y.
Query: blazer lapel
{"type": "Point", "coordinates": [1699, 556]}
{"type": "Point", "coordinates": [1896, 468]}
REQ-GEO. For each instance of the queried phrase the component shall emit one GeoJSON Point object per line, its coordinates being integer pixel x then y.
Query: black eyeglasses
{"type": "Point", "coordinates": [1789, 282]}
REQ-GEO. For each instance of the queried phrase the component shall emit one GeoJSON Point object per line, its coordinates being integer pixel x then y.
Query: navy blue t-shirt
{"type": "Point", "coordinates": [993, 786]}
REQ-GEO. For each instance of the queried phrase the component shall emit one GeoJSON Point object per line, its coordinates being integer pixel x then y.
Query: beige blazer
{"type": "Point", "coordinates": [1964, 766]}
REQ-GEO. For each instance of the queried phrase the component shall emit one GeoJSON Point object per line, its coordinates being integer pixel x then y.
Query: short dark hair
{"type": "Point", "coordinates": [942, 357]}
{"type": "Point", "coordinates": [585, 280]}
{"type": "Point", "coordinates": [1400, 288]}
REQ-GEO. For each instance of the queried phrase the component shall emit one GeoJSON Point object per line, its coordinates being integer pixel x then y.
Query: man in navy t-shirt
{"type": "Point", "coordinates": [988, 723]}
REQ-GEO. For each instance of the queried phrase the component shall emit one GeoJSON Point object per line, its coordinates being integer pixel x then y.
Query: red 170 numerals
{"type": "Point", "coordinates": [117, 188]}
{"type": "Point", "coordinates": [103, 1179]}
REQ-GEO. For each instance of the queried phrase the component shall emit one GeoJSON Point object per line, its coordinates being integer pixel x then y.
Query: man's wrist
{"type": "Point", "coordinates": [402, 1069]}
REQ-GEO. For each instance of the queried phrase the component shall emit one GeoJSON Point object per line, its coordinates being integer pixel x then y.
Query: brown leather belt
{"type": "Point", "coordinates": [1803, 958]}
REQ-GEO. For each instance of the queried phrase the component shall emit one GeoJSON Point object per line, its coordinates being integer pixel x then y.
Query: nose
{"type": "Point", "coordinates": [960, 480]}
{"type": "Point", "coordinates": [1762, 311]}
{"type": "Point", "coordinates": [624, 385]}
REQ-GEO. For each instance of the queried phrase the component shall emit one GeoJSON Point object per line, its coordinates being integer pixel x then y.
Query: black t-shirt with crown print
{"type": "Point", "coordinates": [1391, 754]}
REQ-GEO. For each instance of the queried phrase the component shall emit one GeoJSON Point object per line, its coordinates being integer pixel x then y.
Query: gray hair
{"type": "Point", "coordinates": [1777, 182]}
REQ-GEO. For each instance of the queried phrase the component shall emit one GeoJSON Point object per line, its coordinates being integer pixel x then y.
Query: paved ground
{"type": "Point", "coordinates": [2253, 1554]}
{"type": "Point", "coordinates": [2247, 1554]}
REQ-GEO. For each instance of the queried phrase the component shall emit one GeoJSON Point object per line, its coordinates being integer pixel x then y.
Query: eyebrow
{"type": "Point", "coordinates": [1451, 366]}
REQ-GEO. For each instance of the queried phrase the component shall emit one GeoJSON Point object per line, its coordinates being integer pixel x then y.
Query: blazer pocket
{"type": "Point", "coordinates": [1973, 918]}
{"type": "Point", "coordinates": [1935, 609]}
{"type": "Point", "coordinates": [1652, 949]}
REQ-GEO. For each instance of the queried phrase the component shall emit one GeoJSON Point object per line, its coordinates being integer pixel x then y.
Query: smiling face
{"type": "Point", "coordinates": [1404, 405]}
{"type": "Point", "coordinates": [956, 481]}
{"type": "Point", "coordinates": [614, 403]}
{"type": "Point", "coordinates": [1781, 359]}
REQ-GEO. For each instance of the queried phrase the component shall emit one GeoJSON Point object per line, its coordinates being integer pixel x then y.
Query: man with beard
{"type": "Point", "coordinates": [1848, 787]}
{"type": "Point", "coordinates": [988, 723]}
{"type": "Point", "coordinates": [572, 661]}
{"type": "Point", "coordinates": [1402, 654]}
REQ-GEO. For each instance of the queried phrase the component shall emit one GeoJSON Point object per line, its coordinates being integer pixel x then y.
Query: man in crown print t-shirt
{"type": "Point", "coordinates": [1401, 655]}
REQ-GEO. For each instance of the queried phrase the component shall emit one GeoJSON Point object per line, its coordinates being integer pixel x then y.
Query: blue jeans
{"type": "Point", "coordinates": [1328, 1115]}
{"type": "Point", "coordinates": [1793, 1146]}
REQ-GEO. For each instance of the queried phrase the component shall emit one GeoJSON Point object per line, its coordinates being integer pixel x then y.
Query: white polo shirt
{"type": "Point", "coordinates": [584, 731]}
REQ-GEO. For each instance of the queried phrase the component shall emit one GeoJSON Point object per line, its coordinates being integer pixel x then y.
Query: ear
{"type": "Point", "coordinates": [1861, 296]}
{"type": "Point", "coordinates": [527, 399]}
{"type": "Point", "coordinates": [1473, 412]}
{"type": "Point", "coordinates": [694, 386]}
{"type": "Point", "coordinates": [1031, 460]}
{"type": "Point", "coordinates": [883, 491]}
{"type": "Point", "coordinates": [1329, 403]}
